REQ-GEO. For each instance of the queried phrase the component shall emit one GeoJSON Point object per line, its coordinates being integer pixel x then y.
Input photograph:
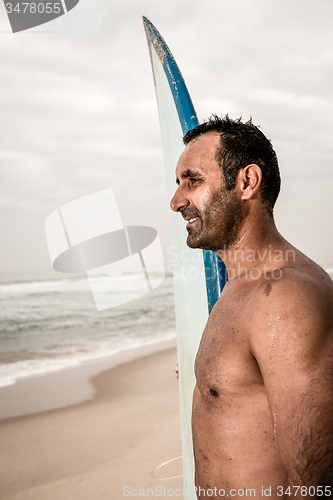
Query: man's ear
{"type": "Point", "coordinates": [249, 181]}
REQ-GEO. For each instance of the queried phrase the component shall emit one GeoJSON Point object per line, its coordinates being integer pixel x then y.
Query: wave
{"type": "Point", "coordinates": [111, 282]}
{"type": "Point", "coordinates": [11, 372]}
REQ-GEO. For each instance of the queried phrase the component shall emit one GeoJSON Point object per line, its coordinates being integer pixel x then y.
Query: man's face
{"type": "Point", "coordinates": [214, 214]}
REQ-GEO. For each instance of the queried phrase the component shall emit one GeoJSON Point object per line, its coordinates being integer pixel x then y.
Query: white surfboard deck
{"type": "Point", "coordinates": [191, 303]}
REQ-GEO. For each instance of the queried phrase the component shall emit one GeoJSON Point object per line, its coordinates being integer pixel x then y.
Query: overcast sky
{"type": "Point", "coordinates": [79, 113]}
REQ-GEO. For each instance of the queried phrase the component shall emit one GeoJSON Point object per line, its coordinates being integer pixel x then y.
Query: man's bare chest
{"type": "Point", "coordinates": [224, 364]}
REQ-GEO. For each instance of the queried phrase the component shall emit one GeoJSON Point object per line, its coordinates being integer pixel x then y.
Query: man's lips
{"type": "Point", "coordinates": [191, 220]}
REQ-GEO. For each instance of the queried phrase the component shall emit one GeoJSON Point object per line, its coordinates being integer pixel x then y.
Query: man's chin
{"type": "Point", "coordinates": [200, 239]}
{"type": "Point", "coordinates": [194, 242]}
{"type": "Point", "coordinates": [203, 243]}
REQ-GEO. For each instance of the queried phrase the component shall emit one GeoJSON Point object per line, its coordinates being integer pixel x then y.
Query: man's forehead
{"type": "Point", "coordinates": [199, 153]}
{"type": "Point", "coordinates": [205, 143]}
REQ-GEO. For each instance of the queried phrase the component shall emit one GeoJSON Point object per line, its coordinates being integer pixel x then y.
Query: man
{"type": "Point", "coordinates": [262, 418]}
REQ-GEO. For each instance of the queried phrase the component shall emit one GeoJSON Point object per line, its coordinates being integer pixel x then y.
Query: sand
{"type": "Point", "coordinates": [104, 448]}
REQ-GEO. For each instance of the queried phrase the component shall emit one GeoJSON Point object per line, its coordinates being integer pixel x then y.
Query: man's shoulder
{"type": "Point", "coordinates": [296, 303]}
{"type": "Point", "coordinates": [293, 287]}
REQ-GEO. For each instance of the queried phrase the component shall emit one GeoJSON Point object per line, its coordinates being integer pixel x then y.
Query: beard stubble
{"type": "Point", "coordinates": [220, 223]}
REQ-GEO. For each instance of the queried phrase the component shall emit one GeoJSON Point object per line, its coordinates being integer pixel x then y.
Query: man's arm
{"type": "Point", "coordinates": [292, 341]}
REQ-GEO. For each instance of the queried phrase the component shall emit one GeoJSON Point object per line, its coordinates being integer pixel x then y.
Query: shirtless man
{"type": "Point", "coordinates": [262, 417]}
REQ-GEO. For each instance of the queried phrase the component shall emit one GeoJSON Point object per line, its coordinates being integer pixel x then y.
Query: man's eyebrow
{"type": "Point", "coordinates": [189, 173]}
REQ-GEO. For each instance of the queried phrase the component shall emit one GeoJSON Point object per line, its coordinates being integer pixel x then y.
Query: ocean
{"type": "Point", "coordinates": [50, 325]}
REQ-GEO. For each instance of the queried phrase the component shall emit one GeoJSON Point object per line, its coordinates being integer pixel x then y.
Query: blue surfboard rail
{"type": "Point", "coordinates": [215, 270]}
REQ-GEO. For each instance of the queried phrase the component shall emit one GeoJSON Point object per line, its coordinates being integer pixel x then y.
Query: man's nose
{"type": "Point", "coordinates": [179, 200]}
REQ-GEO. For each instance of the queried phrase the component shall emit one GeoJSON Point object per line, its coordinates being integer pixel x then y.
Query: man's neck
{"type": "Point", "coordinates": [259, 249]}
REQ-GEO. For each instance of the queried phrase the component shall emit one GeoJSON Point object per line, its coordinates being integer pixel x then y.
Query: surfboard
{"type": "Point", "coordinates": [199, 276]}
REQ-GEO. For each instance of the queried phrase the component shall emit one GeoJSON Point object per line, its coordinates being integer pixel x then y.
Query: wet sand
{"type": "Point", "coordinates": [95, 449]}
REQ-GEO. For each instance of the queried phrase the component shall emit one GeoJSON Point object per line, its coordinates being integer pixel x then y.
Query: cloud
{"type": "Point", "coordinates": [79, 111]}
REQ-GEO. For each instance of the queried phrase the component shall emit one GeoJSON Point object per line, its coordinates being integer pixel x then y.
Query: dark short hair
{"type": "Point", "coordinates": [241, 145]}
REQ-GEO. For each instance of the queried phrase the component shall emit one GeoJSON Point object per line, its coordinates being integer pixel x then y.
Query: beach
{"type": "Point", "coordinates": [102, 448]}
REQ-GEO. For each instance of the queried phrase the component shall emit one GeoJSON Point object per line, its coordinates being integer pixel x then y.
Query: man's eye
{"type": "Point", "coordinates": [193, 180]}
